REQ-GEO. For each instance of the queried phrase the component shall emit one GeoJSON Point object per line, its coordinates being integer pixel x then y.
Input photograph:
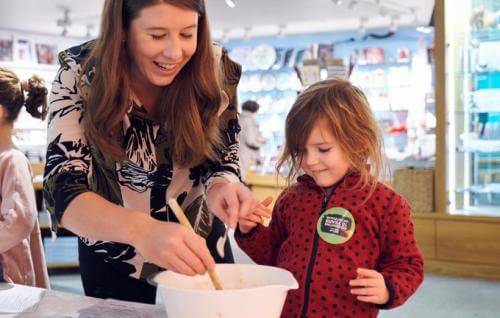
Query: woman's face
{"type": "Point", "coordinates": [160, 41]}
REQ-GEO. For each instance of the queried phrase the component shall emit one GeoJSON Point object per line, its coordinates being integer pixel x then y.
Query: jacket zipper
{"type": "Point", "coordinates": [307, 290]}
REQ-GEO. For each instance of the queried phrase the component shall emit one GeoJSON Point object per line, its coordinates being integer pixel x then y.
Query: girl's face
{"type": "Point", "coordinates": [322, 158]}
{"type": "Point", "coordinates": [160, 41]}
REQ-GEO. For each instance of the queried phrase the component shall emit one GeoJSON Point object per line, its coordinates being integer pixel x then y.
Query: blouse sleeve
{"type": "Point", "coordinates": [18, 211]}
{"type": "Point", "coordinates": [68, 160]}
{"type": "Point", "coordinates": [228, 168]}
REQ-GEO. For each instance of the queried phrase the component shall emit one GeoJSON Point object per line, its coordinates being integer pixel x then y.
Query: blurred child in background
{"type": "Point", "coordinates": [22, 259]}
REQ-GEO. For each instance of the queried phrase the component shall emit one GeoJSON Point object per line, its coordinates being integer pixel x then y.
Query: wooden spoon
{"type": "Point", "coordinates": [184, 221]}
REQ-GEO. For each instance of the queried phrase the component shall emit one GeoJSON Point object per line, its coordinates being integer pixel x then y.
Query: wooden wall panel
{"type": "Point", "coordinates": [425, 231]}
{"type": "Point", "coordinates": [471, 242]}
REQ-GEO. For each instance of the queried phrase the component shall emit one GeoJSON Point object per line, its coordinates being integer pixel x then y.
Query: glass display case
{"type": "Point", "coordinates": [473, 94]}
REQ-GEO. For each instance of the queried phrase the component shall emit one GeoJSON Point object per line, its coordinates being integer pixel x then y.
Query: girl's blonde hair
{"type": "Point", "coordinates": [188, 105]}
{"type": "Point", "coordinates": [12, 96]}
{"type": "Point", "coordinates": [345, 110]}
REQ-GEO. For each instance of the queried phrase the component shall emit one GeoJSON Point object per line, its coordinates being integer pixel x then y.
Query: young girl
{"type": "Point", "coordinates": [21, 252]}
{"type": "Point", "coordinates": [347, 238]}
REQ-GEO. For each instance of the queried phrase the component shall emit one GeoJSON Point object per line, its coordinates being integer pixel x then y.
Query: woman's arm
{"type": "Point", "coordinates": [166, 244]}
{"type": "Point", "coordinates": [73, 205]}
{"type": "Point", "coordinates": [227, 197]}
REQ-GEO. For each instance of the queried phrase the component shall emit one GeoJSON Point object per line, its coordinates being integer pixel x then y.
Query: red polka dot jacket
{"type": "Point", "coordinates": [383, 240]}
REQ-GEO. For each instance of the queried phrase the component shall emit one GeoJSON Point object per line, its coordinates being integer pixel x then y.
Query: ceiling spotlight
{"type": "Point", "coordinates": [225, 36]}
{"type": "Point", "coordinates": [231, 3]}
{"type": "Point", "coordinates": [352, 4]}
{"type": "Point", "coordinates": [281, 30]}
{"type": "Point", "coordinates": [382, 11]}
{"type": "Point", "coordinates": [337, 2]}
{"type": "Point", "coordinates": [246, 33]}
{"type": "Point", "coordinates": [362, 25]}
{"type": "Point", "coordinates": [413, 12]}
{"type": "Point", "coordinates": [393, 26]}
{"type": "Point", "coordinates": [90, 27]}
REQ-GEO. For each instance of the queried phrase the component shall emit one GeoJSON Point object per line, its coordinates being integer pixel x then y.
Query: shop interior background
{"type": "Point", "coordinates": [389, 49]}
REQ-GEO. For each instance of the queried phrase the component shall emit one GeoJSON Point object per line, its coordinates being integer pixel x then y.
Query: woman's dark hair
{"type": "Point", "coordinates": [250, 106]}
{"type": "Point", "coordinates": [12, 95]}
{"type": "Point", "coordinates": [188, 106]}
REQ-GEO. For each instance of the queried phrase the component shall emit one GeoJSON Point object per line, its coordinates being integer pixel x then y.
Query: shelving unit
{"type": "Point", "coordinates": [476, 118]}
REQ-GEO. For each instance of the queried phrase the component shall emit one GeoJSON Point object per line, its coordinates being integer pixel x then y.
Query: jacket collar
{"type": "Point", "coordinates": [347, 182]}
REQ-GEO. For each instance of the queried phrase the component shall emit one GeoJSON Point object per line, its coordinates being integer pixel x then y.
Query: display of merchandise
{"type": "Point", "coordinates": [310, 71]}
{"type": "Point", "coordinates": [397, 79]}
{"type": "Point", "coordinates": [399, 86]}
{"type": "Point", "coordinates": [476, 168]}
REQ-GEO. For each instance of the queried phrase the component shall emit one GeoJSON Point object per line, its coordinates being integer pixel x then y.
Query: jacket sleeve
{"type": "Point", "coordinates": [18, 211]}
{"type": "Point", "coordinates": [227, 169]}
{"type": "Point", "coordinates": [263, 244]}
{"type": "Point", "coordinates": [68, 160]}
{"type": "Point", "coordinates": [400, 263]}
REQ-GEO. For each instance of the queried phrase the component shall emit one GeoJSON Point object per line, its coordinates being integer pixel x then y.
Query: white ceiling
{"type": "Point", "coordinates": [257, 17]}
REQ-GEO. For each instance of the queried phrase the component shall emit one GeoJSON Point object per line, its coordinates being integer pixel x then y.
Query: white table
{"type": "Point", "coordinates": [42, 303]}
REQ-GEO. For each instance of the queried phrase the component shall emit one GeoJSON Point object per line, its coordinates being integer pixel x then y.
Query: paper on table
{"type": "Point", "coordinates": [111, 308]}
{"type": "Point", "coordinates": [18, 299]}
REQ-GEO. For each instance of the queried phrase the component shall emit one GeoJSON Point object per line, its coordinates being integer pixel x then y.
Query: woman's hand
{"type": "Point", "coordinates": [231, 201]}
{"type": "Point", "coordinates": [257, 216]}
{"type": "Point", "coordinates": [172, 246]}
{"type": "Point", "coordinates": [370, 287]}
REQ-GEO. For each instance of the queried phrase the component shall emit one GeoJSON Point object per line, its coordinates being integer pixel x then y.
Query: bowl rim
{"type": "Point", "coordinates": [295, 285]}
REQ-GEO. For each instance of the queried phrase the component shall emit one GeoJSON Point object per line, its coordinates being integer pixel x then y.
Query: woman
{"type": "Point", "coordinates": [137, 117]}
{"type": "Point", "coordinates": [251, 138]}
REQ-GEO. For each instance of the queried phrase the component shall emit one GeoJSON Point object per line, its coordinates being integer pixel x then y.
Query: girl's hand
{"type": "Point", "coordinates": [255, 217]}
{"type": "Point", "coordinates": [231, 201]}
{"type": "Point", "coordinates": [370, 287]}
{"type": "Point", "coordinates": [172, 246]}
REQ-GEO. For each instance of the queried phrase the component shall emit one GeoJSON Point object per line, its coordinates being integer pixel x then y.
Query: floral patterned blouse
{"type": "Point", "coordinates": [148, 179]}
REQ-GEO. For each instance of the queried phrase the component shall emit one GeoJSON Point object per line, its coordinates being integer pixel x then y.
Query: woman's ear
{"type": "Point", "coordinates": [3, 113]}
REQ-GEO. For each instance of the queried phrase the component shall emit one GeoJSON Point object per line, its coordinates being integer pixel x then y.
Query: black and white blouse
{"type": "Point", "coordinates": [147, 180]}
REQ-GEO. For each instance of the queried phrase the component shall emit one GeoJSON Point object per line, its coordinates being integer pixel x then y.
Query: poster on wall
{"type": "Point", "coordinates": [325, 52]}
{"type": "Point", "coordinates": [46, 53]}
{"type": "Point", "coordinates": [403, 55]}
{"type": "Point", "coordinates": [23, 51]}
{"type": "Point", "coordinates": [6, 50]}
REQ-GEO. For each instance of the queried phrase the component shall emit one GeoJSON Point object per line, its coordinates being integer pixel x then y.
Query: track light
{"type": "Point", "coordinates": [352, 4]}
{"type": "Point", "coordinates": [393, 26]}
{"type": "Point", "coordinates": [281, 30]}
{"type": "Point", "coordinates": [231, 3]}
{"type": "Point", "coordinates": [362, 25]}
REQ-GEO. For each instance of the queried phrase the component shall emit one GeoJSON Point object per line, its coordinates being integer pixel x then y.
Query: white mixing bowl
{"type": "Point", "coordinates": [250, 291]}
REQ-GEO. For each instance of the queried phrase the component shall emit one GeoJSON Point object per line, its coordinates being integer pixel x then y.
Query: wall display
{"type": "Point", "coordinates": [263, 56]}
{"type": "Point", "coordinates": [403, 55]}
{"type": "Point", "coordinates": [46, 53]}
{"type": "Point", "coordinates": [310, 72]}
{"type": "Point", "coordinates": [23, 52]}
{"type": "Point", "coordinates": [6, 50]}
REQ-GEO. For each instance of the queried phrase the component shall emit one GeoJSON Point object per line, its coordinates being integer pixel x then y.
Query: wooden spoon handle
{"type": "Point", "coordinates": [185, 222]}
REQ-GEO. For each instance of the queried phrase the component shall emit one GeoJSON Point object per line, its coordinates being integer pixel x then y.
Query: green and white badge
{"type": "Point", "coordinates": [336, 225]}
